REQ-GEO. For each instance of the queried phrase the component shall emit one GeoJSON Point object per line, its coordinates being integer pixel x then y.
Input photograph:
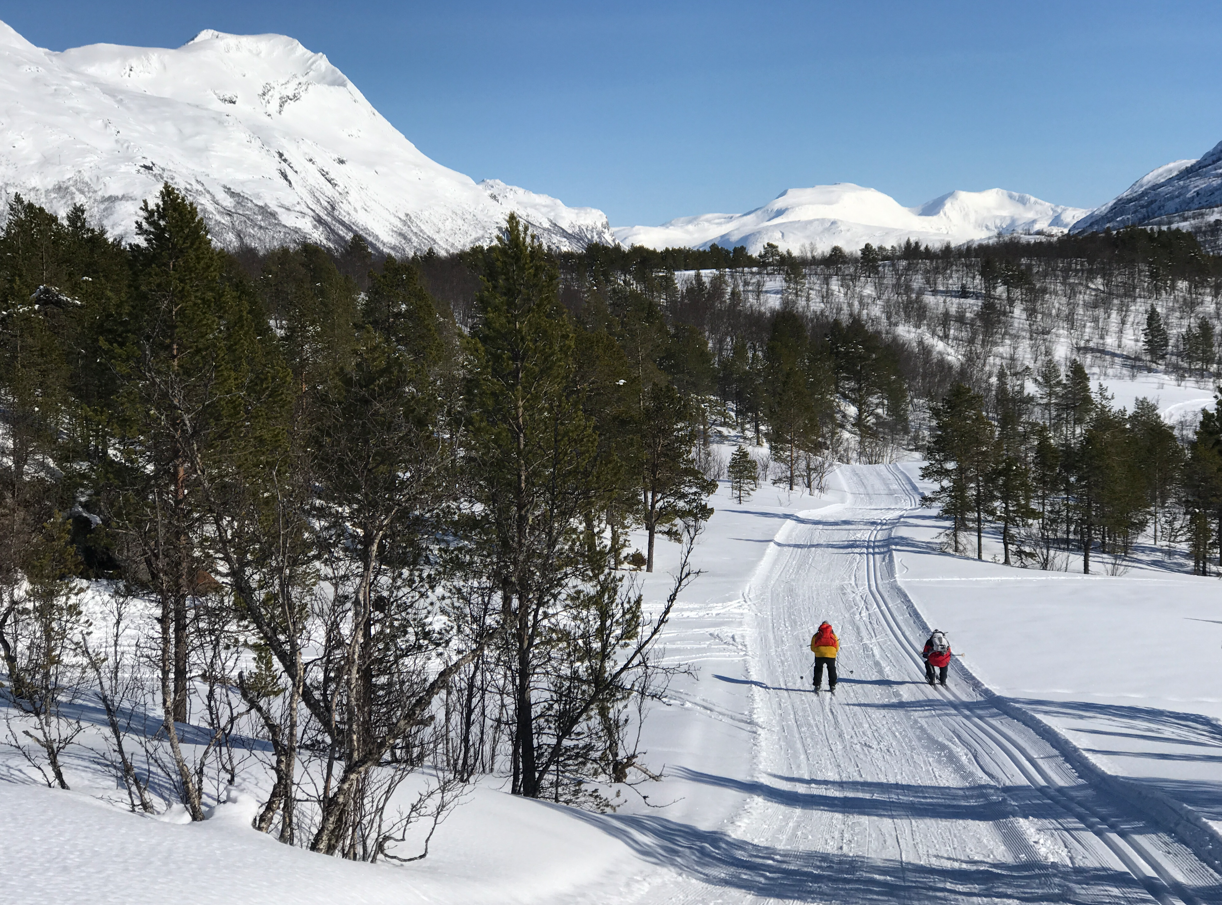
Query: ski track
{"type": "Point", "coordinates": [890, 790]}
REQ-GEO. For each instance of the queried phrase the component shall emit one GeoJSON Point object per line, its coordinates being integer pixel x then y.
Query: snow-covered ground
{"type": "Point", "coordinates": [994, 789]}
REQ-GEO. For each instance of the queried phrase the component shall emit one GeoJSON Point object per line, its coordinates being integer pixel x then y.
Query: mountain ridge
{"type": "Point", "coordinates": [271, 141]}
{"type": "Point", "coordinates": [1184, 193]}
{"type": "Point", "coordinates": [849, 215]}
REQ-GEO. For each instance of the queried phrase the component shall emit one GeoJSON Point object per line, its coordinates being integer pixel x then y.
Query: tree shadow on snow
{"type": "Point", "coordinates": [723, 861]}
{"type": "Point", "coordinates": [900, 801]}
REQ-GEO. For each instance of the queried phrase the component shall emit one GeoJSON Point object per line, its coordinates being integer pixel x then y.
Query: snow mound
{"type": "Point", "coordinates": [271, 141]}
{"type": "Point", "coordinates": [851, 215]}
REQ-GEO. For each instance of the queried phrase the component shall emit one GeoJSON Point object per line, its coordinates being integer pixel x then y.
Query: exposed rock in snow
{"type": "Point", "coordinates": [850, 216]}
{"type": "Point", "coordinates": [273, 143]}
{"type": "Point", "coordinates": [1186, 193]}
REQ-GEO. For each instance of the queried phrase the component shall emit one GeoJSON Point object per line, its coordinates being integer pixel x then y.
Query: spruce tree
{"type": "Point", "coordinates": [673, 490]}
{"type": "Point", "coordinates": [1012, 476]}
{"type": "Point", "coordinates": [1159, 456]}
{"type": "Point", "coordinates": [743, 473]}
{"type": "Point", "coordinates": [1154, 339]}
{"type": "Point", "coordinates": [961, 457]}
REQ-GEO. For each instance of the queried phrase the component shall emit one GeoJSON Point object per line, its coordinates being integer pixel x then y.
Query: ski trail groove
{"type": "Point", "coordinates": [1147, 868]}
{"type": "Point", "coordinates": [892, 791]}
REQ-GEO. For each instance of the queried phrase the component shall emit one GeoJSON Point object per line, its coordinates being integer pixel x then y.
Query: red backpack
{"type": "Point", "coordinates": [825, 637]}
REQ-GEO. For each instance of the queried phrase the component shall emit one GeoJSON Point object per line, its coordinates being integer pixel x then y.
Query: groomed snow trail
{"type": "Point", "coordinates": [893, 791]}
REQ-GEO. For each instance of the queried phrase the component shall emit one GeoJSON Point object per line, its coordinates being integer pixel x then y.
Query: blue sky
{"type": "Point", "coordinates": [660, 109]}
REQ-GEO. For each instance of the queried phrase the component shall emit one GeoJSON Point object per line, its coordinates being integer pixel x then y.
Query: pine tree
{"type": "Point", "coordinates": [672, 487]}
{"type": "Point", "coordinates": [1048, 484]}
{"type": "Point", "coordinates": [1202, 488]}
{"type": "Point", "coordinates": [192, 377]}
{"type": "Point", "coordinates": [1159, 456]}
{"type": "Point", "coordinates": [1012, 475]}
{"type": "Point", "coordinates": [1200, 353]}
{"type": "Point", "coordinates": [961, 457]}
{"type": "Point", "coordinates": [1075, 402]}
{"type": "Point", "coordinates": [869, 260]}
{"type": "Point", "coordinates": [1154, 338]}
{"type": "Point", "coordinates": [1108, 487]}
{"type": "Point", "coordinates": [576, 645]}
{"type": "Point", "coordinates": [795, 410]}
{"type": "Point", "coordinates": [868, 381]}
{"type": "Point", "coordinates": [743, 473]}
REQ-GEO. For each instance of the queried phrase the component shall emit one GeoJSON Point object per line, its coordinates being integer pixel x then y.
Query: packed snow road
{"type": "Point", "coordinates": [892, 790]}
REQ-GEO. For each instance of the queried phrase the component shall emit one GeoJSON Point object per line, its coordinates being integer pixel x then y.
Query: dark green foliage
{"type": "Point", "coordinates": [743, 473]}
{"type": "Point", "coordinates": [1154, 339]}
{"type": "Point", "coordinates": [534, 470]}
{"type": "Point", "coordinates": [798, 407]}
{"type": "Point", "coordinates": [869, 382]}
{"type": "Point", "coordinates": [673, 488]}
{"type": "Point", "coordinates": [1203, 489]}
{"type": "Point", "coordinates": [1159, 458]}
{"type": "Point", "coordinates": [1011, 471]}
{"type": "Point", "coordinates": [1199, 351]}
{"type": "Point", "coordinates": [962, 457]}
{"type": "Point", "coordinates": [1110, 502]}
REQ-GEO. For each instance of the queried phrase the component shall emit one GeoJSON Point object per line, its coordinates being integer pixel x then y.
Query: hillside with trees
{"type": "Point", "coordinates": [378, 515]}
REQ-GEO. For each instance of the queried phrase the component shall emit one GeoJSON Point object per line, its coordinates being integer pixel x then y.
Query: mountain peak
{"type": "Point", "coordinates": [271, 142]}
{"type": "Point", "coordinates": [208, 34]}
{"type": "Point", "coordinates": [1177, 194]}
{"type": "Point", "coordinates": [851, 215]}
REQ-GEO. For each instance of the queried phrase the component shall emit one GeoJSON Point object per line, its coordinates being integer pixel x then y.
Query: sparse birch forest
{"type": "Point", "coordinates": [357, 531]}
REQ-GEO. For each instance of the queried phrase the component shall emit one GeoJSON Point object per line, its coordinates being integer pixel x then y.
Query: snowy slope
{"type": "Point", "coordinates": [272, 142]}
{"type": "Point", "coordinates": [850, 216]}
{"type": "Point", "coordinates": [1182, 193]}
{"type": "Point", "coordinates": [889, 792]}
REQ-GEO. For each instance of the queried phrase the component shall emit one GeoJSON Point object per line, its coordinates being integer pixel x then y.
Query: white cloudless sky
{"type": "Point", "coordinates": [654, 110]}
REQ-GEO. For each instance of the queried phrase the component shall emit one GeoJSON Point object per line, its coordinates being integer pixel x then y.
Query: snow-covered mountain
{"type": "Point", "coordinates": [1186, 193]}
{"type": "Point", "coordinates": [273, 143]}
{"type": "Point", "coordinates": [850, 216]}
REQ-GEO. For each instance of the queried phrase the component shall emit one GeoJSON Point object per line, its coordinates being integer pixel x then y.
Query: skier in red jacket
{"type": "Point", "coordinates": [937, 656]}
{"type": "Point", "coordinates": [825, 646]}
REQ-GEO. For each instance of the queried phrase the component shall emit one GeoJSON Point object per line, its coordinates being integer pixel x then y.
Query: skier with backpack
{"type": "Point", "coordinates": [825, 646]}
{"type": "Point", "coordinates": [937, 657]}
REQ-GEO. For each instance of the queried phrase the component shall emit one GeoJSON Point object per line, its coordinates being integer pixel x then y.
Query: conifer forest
{"type": "Point", "coordinates": [372, 527]}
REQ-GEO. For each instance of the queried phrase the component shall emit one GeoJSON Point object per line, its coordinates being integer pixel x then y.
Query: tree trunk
{"type": "Point", "coordinates": [651, 527]}
{"type": "Point", "coordinates": [528, 780]}
{"type": "Point", "coordinates": [182, 592]}
{"type": "Point", "coordinates": [979, 522]}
